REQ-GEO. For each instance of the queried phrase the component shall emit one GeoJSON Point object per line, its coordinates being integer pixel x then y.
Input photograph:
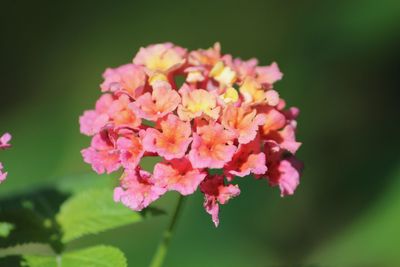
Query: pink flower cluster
{"type": "Point", "coordinates": [4, 144]}
{"type": "Point", "coordinates": [225, 115]}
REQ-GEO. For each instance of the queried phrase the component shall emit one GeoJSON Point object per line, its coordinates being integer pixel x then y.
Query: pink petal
{"type": "Point", "coordinates": [127, 78]}
{"type": "Point", "coordinates": [286, 174]}
{"type": "Point", "coordinates": [136, 190]}
{"type": "Point", "coordinates": [131, 151]}
{"type": "Point", "coordinates": [4, 139]}
{"type": "Point", "coordinates": [269, 74]}
{"type": "Point", "coordinates": [3, 175]}
{"type": "Point", "coordinates": [91, 122]}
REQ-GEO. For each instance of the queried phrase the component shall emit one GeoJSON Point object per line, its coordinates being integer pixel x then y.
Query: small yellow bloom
{"type": "Point", "coordinates": [230, 95]}
{"type": "Point", "coordinates": [223, 74]}
{"type": "Point", "coordinates": [157, 77]}
{"type": "Point", "coordinates": [195, 76]}
{"type": "Point", "coordinates": [165, 62]}
{"type": "Point", "coordinates": [252, 91]}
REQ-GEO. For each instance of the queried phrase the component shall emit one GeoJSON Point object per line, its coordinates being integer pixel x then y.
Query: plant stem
{"type": "Point", "coordinates": [162, 249]}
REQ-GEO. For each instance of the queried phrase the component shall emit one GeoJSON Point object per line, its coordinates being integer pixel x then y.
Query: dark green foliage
{"type": "Point", "coordinates": [33, 217]}
{"type": "Point", "coordinates": [37, 225]}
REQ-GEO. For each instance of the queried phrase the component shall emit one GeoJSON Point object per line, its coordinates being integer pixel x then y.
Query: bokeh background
{"type": "Point", "coordinates": [341, 63]}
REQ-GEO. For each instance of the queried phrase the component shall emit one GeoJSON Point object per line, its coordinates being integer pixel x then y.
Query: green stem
{"type": "Point", "coordinates": [161, 252]}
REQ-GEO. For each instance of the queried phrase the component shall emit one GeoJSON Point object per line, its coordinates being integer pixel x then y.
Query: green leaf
{"type": "Point", "coordinates": [27, 249]}
{"type": "Point", "coordinates": [94, 211]}
{"type": "Point", "coordinates": [98, 256]}
{"type": "Point", "coordinates": [5, 229]}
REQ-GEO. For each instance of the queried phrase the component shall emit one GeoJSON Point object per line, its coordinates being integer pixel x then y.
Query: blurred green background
{"type": "Point", "coordinates": [341, 64]}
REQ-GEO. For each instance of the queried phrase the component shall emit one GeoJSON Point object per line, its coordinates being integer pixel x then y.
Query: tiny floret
{"type": "Point", "coordinates": [200, 113]}
{"type": "Point", "coordinates": [4, 144]}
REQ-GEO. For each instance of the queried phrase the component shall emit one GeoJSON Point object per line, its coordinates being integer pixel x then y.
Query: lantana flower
{"type": "Point", "coordinates": [4, 144]}
{"type": "Point", "coordinates": [226, 115]}
{"type": "Point", "coordinates": [217, 192]}
{"type": "Point", "coordinates": [212, 146]}
{"type": "Point", "coordinates": [196, 103]}
{"type": "Point", "coordinates": [160, 102]}
{"type": "Point", "coordinates": [173, 139]}
{"type": "Point", "coordinates": [137, 190]}
{"type": "Point", "coordinates": [178, 175]}
{"type": "Point", "coordinates": [129, 79]}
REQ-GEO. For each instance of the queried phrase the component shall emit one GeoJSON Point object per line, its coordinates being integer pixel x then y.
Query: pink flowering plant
{"type": "Point", "coordinates": [225, 122]}
{"type": "Point", "coordinates": [226, 115]}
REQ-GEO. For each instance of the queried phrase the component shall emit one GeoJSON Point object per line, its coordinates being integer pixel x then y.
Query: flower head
{"type": "Point", "coordinates": [226, 115]}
